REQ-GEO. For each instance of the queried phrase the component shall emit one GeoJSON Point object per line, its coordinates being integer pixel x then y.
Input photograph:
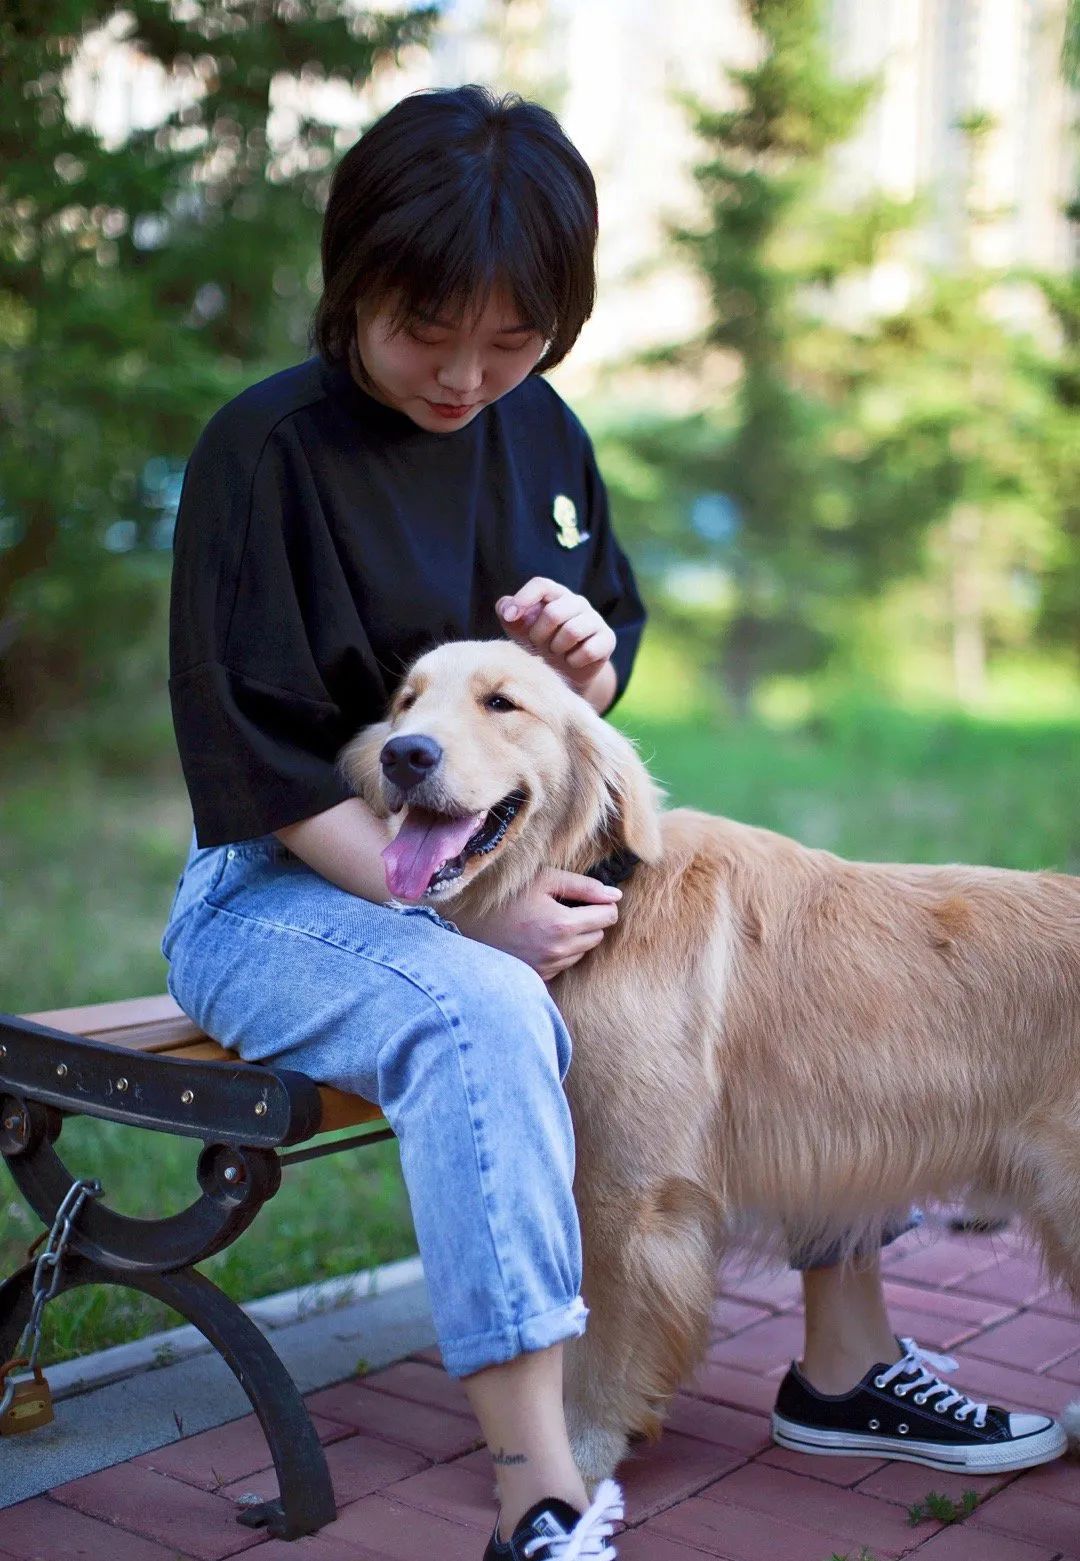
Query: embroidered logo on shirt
{"type": "Point", "coordinates": [564, 514]}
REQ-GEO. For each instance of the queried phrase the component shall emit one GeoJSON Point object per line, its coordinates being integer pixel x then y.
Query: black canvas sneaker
{"type": "Point", "coordinates": [905, 1411]}
{"type": "Point", "coordinates": [555, 1531]}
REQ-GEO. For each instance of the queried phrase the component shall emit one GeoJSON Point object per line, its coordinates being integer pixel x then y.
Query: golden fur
{"type": "Point", "coordinates": [772, 1040]}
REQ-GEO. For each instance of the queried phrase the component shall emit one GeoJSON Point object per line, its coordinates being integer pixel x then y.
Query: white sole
{"type": "Point", "coordinates": [986, 1458]}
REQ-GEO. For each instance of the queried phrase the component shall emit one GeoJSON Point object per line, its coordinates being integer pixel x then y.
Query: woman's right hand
{"type": "Point", "coordinates": [537, 928]}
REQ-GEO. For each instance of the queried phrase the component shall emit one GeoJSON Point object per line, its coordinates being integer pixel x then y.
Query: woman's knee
{"type": "Point", "coordinates": [495, 1014]}
{"type": "Point", "coordinates": [510, 1019]}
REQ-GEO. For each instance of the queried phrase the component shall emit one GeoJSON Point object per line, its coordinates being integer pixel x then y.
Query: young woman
{"type": "Point", "coordinates": [416, 481]}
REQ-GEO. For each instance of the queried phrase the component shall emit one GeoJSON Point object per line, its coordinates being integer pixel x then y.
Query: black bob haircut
{"type": "Point", "coordinates": [448, 195]}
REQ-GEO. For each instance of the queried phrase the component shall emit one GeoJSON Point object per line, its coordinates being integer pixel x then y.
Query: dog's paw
{"type": "Point", "coordinates": [597, 1453]}
{"type": "Point", "coordinates": [1070, 1420]}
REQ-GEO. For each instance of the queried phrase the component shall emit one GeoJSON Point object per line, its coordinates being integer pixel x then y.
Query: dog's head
{"type": "Point", "coordinates": [498, 769]}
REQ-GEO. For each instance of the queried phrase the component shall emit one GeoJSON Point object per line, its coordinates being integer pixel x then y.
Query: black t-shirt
{"type": "Point", "coordinates": [324, 541]}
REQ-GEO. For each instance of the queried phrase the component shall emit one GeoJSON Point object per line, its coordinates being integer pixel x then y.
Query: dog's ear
{"type": "Point", "coordinates": [632, 798]}
{"type": "Point", "coordinates": [358, 764]}
{"type": "Point", "coordinates": [638, 800]}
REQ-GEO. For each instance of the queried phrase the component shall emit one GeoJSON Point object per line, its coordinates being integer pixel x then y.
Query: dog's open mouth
{"type": "Point", "coordinates": [430, 849]}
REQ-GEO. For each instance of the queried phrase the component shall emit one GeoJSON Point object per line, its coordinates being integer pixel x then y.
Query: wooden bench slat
{"type": "Point", "coordinates": [159, 1025]}
{"type": "Point", "coordinates": [102, 1018]}
{"type": "Point", "coordinates": [342, 1110]}
{"type": "Point", "coordinates": [163, 1037]}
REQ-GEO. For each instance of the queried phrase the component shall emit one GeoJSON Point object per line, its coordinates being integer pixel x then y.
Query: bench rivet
{"type": "Point", "coordinates": [231, 1174]}
{"type": "Point", "coordinates": [3, 1051]}
{"type": "Point", "coordinates": [260, 1109]}
{"type": "Point", "coordinates": [187, 1097]}
{"type": "Point", "coordinates": [121, 1085]}
{"type": "Point", "coordinates": [11, 1123]}
{"type": "Point", "coordinates": [61, 1072]}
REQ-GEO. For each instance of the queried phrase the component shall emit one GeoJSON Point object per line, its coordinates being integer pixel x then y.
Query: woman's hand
{"type": "Point", "coordinates": [564, 629]}
{"type": "Point", "coordinates": [536, 928]}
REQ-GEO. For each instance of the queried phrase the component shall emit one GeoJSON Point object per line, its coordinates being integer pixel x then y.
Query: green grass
{"type": "Point", "coordinates": [94, 823]}
{"type": "Point", "coordinates": [936, 1508]}
{"type": "Point", "coordinates": [882, 784]}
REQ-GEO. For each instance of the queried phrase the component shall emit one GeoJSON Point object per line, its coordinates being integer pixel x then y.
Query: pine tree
{"type": "Point", "coordinates": [1060, 616]}
{"type": "Point", "coordinates": [143, 283]}
{"type": "Point", "coordinates": [960, 425]}
{"type": "Point", "coordinates": [769, 248]}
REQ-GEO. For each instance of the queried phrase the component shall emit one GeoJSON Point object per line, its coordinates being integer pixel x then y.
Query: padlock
{"type": "Point", "coordinates": [31, 1403]}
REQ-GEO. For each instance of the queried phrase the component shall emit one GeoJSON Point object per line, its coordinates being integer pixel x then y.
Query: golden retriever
{"type": "Point", "coordinates": [770, 1038]}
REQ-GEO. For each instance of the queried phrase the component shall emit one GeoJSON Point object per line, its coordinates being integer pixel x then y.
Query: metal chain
{"type": "Point", "coordinates": [47, 1276]}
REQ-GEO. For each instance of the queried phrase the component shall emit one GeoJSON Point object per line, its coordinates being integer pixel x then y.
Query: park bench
{"type": "Point", "coordinates": [144, 1063]}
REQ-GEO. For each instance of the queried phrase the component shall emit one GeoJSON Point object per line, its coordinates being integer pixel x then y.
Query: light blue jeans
{"type": "Point", "coordinates": [459, 1044]}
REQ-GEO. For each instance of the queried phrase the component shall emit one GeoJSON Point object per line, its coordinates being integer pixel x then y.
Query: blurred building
{"type": "Point", "coordinates": [614, 69]}
{"type": "Point", "coordinates": [997, 198]}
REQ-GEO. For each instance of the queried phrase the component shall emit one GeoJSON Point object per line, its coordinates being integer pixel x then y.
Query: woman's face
{"type": "Point", "coordinates": [441, 372]}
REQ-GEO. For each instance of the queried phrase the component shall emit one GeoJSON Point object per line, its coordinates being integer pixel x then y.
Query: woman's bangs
{"type": "Point", "coordinates": [456, 283]}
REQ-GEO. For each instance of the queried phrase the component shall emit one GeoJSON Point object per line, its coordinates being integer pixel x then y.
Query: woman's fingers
{"type": "Point", "coordinates": [580, 887]}
{"type": "Point", "coordinates": [592, 918]}
{"type": "Point", "coordinates": [581, 947]}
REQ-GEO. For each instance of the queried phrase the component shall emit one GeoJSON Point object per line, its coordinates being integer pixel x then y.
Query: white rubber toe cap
{"type": "Point", "coordinates": [1028, 1425]}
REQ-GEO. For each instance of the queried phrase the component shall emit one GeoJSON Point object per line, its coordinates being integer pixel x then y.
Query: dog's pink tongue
{"type": "Point", "coordinates": [423, 843]}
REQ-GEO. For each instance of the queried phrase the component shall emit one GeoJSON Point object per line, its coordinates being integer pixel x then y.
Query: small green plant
{"type": "Point", "coordinates": [935, 1508]}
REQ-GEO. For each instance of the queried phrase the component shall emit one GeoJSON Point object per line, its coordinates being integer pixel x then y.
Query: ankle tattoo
{"type": "Point", "coordinates": [501, 1457]}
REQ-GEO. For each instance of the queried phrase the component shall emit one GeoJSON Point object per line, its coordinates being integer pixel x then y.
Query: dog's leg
{"type": "Point", "coordinates": [595, 1368]}
{"type": "Point", "coordinates": [594, 1383]}
{"type": "Point", "coordinates": [1059, 1241]}
{"type": "Point", "coordinates": [650, 1287]}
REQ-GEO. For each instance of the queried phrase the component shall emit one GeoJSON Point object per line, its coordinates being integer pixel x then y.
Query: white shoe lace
{"type": "Point", "coordinates": [927, 1385]}
{"type": "Point", "coordinates": [588, 1539]}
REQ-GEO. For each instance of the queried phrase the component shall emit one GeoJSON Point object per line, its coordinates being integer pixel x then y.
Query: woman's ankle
{"type": "Point", "coordinates": [847, 1327]}
{"type": "Point", "coordinates": [834, 1364]}
{"type": "Point", "coordinates": [518, 1495]}
{"type": "Point", "coordinates": [519, 1404]}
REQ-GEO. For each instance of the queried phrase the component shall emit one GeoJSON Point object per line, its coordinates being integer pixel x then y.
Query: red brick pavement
{"type": "Point", "coordinates": [413, 1481]}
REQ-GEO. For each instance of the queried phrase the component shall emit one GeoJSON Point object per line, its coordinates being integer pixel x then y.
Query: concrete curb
{"type": "Point", "coordinates": [270, 1313]}
{"type": "Point", "coordinates": [134, 1398]}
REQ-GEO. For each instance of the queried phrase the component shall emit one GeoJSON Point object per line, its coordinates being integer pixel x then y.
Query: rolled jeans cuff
{"type": "Point", "coordinates": [829, 1256]}
{"type": "Point", "coordinates": [462, 1357]}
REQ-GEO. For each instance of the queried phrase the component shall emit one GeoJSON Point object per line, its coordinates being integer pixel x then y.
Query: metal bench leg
{"type": "Point", "coordinates": [306, 1502]}
{"type": "Point", "coordinates": [16, 1298]}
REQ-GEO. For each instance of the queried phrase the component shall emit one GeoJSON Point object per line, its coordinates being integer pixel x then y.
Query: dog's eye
{"type": "Point", "coordinates": [499, 702]}
{"type": "Point", "coordinates": [406, 702]}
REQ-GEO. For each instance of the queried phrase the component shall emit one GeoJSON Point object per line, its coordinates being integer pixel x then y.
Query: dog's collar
{"type": "Point", "coordinates": [614, 869]}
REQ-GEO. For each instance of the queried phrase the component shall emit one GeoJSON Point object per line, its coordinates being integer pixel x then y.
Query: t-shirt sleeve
{"type": "Point", "coordinates": [609, 584]}
{"type": "Point", "coordinates": [256, 728]}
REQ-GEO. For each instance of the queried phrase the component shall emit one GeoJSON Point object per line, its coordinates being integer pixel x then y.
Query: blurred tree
{"type": "Point", "coordinates": [772, 249]}
{"type": "Point", "coordinates": [848, 455]}
{"type": "Point", "coordinates": [1070, 48]}
{"type": "Point", "coordinates": [523, 37]}
{"type": "Point", "coordinates": [959, 426]}
{"type": "Point", "coordinates": [143, 280]}
{"type": "Point", "coordinates": [956, 417]}
{"type": "Point", "coordinates": [1060, 620]}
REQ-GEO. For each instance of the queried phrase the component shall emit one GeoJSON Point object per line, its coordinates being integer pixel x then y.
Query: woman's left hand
{"type": "Point", "coordinates": [561, 627]}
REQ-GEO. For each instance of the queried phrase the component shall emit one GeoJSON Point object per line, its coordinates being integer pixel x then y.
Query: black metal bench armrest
{"type": "Point", "coordinates": [234, 1103]}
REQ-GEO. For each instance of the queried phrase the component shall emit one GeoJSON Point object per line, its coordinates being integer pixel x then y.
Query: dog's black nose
{"type": "Point", "coordinates": [406, 761]}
